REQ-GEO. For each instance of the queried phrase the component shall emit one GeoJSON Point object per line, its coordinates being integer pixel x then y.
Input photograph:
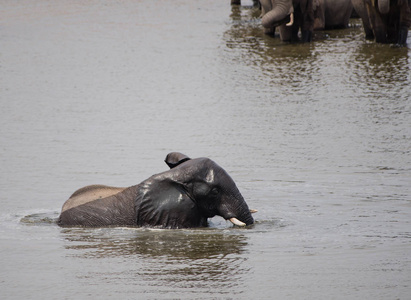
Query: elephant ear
{"type": "Point", "coordinates": [173, 159]}
{"type": "Point", "coordinates": [164, 203]}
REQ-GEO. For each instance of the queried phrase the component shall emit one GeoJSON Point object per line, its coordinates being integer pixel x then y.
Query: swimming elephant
{"type": "Point", "coordinates": [384, 20]}
{"type": "Point", "coordinates": [182, 197]}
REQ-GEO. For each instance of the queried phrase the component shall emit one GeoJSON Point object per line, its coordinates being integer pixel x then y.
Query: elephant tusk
{"type": "Point", "coordinates": [291, 20]}
{"type": "Point", "coordinates": [237, 222]}
{"type": "Point", "coordinates": [253, 211]}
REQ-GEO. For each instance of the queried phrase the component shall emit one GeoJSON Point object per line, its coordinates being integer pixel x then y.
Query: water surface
{"type": "Point", "coordinates": [317, 137]}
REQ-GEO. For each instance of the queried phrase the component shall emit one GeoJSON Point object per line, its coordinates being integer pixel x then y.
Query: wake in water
{"type": "Point", "coordinates": [43, 218]}
{"type": "Point", "coordinates": [50, 218]}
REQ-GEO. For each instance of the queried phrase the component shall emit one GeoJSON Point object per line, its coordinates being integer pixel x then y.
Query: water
{"type": "Point", "coordinates": [316, 136]}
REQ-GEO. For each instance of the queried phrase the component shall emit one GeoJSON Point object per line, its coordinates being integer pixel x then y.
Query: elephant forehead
{"type": "Point", "coordinates": [210, 176]}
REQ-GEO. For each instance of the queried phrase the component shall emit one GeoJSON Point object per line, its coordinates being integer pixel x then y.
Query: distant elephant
{"type": "Point", "coordinates": [238, 2]}
{"type": "Point", "coordinates": [331, 14]}
{"type": "Point", "coordinates": [384, 20]}
{"type": "Point", "coordinates": [182, 197]}
{"type": "Point", "coordinates": [290, 16]}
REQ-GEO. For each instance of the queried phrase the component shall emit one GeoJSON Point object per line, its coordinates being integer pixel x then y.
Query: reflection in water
{"type": "Point", "coordinates": [185, 244]}
{"type": "Point", "coordinates": [305, 68]}
{"type": "Point", "coordinates": [382, 70]}
{"type": "Point", "coordinates": [203, 259]}
{"type": "Point", "coordinates": [277, 62]}
{"type": "Point", "coordinates": [381, 80]}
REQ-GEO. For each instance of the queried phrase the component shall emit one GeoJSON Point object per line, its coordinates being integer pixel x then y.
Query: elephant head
{"type": "Point", "coordinates": [275, 12]}
{"type": "Point", "coordinates": [182, 197]}
{"type": "Point", "coordinates": [189, 193]}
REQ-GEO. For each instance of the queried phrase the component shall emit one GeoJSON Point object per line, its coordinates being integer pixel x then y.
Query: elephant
{"type": "Point", "coordinates": [332, 14]}
{"type": "Point", "coordinates": [238, 2]}
{"type": "Point", "coordinates": [290, 16]}
{"type": "Point", "coordinates": [182, 197]}
{"type": "Point", "coordinates": [385, 21]}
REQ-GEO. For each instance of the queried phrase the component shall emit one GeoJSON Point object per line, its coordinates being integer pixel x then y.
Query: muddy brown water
{"type": "Point", "coordinates": [317, 137]}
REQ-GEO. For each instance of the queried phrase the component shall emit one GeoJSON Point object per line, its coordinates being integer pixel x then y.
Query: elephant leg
{"type": "Point", "coordinates": [304, 19]}
{"type": "Point", "coordinates": [306, 36]}
{"type": "Point", "coordinates": [269, 31]}
{"type": "Point", "coordinates": [319, 17]}
{"type": "Point", "coordinates": [307, 17]}
{"type": "Point", "coordinates": [369, 34]}
{"type": "Point", "coordinates": [294, 35]}
{"type": "Point", "coordinates": [378, 25]}
{"type": "Point", "coordinates": [405, 22]}
{"type": "Point", "coordinates": [398, 22]}
{"type": "Point", "coordinates": [286, 33]}
{"type": "Point", "coordinates": [403, 35]}
{"type": "Point", "coordinates": [290, 33]}
{"type": "Point", "coordinates": [361, 10]}
{"type": "Point", "coordinates": [392, 23]}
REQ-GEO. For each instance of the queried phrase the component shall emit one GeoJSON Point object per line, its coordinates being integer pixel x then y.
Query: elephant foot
{"type": "Point", "coordinates": [269, 31]}
{"type": "Point", "coordinates": [381, 35]}
{"type": "Point", "coordinates": [306, 36]}
{"type": "Point", "coordinates": [402, 37]}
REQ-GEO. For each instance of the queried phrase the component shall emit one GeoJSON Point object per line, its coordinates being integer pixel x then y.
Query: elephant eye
{"type": "Point", "coordinates": [214, 192]}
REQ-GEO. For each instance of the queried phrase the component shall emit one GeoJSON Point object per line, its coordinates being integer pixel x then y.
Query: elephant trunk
{"type": "Point", "coordinates": [384, 6]}
{"type": "Point", "coordinates": [236, 211]}
{"type": "Point", "coordinates": [266, 6]}
{"type": "Point", "coordinates": [275, 12]}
